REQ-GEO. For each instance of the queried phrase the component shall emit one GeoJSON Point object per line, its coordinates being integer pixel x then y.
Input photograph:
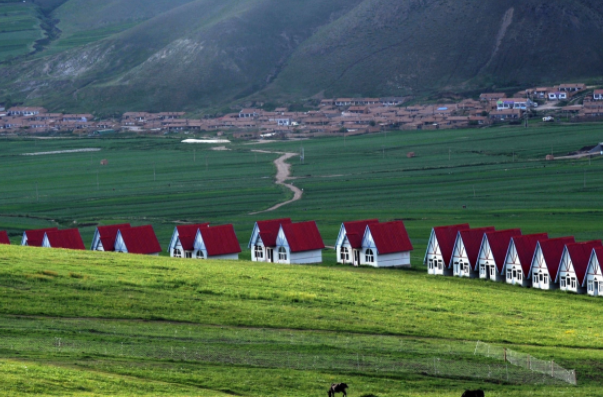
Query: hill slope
{"type": "Point", "coordinates": [206, 53]}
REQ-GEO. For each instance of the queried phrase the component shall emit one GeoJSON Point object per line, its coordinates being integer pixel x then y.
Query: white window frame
{"type": "Point", "coordinates": [535, 279]}
{"type": "Point", "coordinates": [177, 253]}
{"type": "Point", "coordinates": [545, 279]}
{"type": "Point", "coordinates": [200, 255]}
{"type": "Point", "coordinates": [344, 254]}
{"type": "Point", "coordinates": [258, 252]}
{"type": "Point", "coordinates": [188, 254]}
{"type": "Point", "coordinates": [509, 274]}
{"type": "Point", "coordinates": [562, 283]}
{"type": "Point", "coordinates": [519, 275]}
{"type": "Point", "coordinates": [282, 254]}
{"type": "Point", "coordinates": [591, 286]}
{"type": "Point", "coordinates": [440, 266]}
{"type": "Point", "coordinates": [574, 282]}
{"type": "Point", "coordinates": [369, 256]}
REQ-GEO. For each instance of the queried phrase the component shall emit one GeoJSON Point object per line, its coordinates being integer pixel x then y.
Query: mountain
{"type": "Point", "coordinates": [191, 54]}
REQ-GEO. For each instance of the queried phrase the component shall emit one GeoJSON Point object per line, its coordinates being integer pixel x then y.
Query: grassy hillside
{"type": "Point", "coordinates": [19, 29]}
{"type": "Point", "coordinates": [224, 325]}
{"type": "Point", "coordinates": [192, 54]}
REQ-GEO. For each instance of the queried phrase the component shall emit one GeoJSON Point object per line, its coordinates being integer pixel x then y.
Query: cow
{"type": "Point", "coordinates": [473, 393]}
{"type": "Point", "coordinates": [338, 388]}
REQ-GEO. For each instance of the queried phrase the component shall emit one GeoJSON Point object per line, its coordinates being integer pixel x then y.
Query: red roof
{"type": "Point", "coordinates": [499, 244]}
{"type": "Point", "coordinates": [36, 237]}
{"type": "Point", "coordinates": [355, 231]}
{"type": "Point", "coordinates": [4, 238]}
{"type": "Point", "coordinates": [187, 234]}
{"type": "Point", "coordinates": [220, 240]}
{"type": "Point", "coordinates": [472, 240]}
{"type": "Point", "coordinates": [552, 249]}
{"type": "Point", "coordinates": [66, 239]}
{"type": "Point", "coordinates": [141, 240]}
{"type": "Point", "coordinates": [390, 237]}
{"type": "Point", "coordinates": [580, 255]}
{"type": "Point", "coordinates": [303, 236]}
{"type": "Point", "coordinates": [108, 234]}
{"type": "Point", "coordinates": [446, 235]}
{"type": "Point", "coordinates": [525, 247]}
{"type": "Point", "coordinates": [269, 230]}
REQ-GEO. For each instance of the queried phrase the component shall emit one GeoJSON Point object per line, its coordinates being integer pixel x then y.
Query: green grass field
{"type": "Point", "coordinates": [19, 29]}
{"type": "Point", "coordinates": [104, 324]}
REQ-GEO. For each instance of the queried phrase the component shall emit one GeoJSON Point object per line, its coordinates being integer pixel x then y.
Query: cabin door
{"type": "Point", "coordinates": [269, 255]}
{"type": "Point", "coordinates": [356, 257]}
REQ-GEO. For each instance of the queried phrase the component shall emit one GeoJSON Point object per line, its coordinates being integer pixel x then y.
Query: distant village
{"type": "Point", "coordinates": [575, 102]}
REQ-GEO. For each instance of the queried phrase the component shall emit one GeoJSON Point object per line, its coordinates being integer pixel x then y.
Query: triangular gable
{"type": "Point", "coordinates": [4, 240]}
{"type": "Point", "coordinates": [189, 232]}
{"type": "Point", "coordinates": [472, 242]}
{"type": "Point", "coordinates": [442, 239]}
{"type": "Point", "coordinates": [105, 236]}
{"type": "Point", "coordinates": [575, 258]}
{"type": "Point", "coordinates": [34, 238]}
{"type": "Point", "coordinates": [523, 249]}
{"type": "Point", "coordinates": [551, 251]}
{"type": "Point", "coordinates": [354, 231]}
{"type": "Point", "coordinates": [594, 263]}
{"type": "Point", "coordinates": [498, 242]}
{"type": "Point", "coordinates": [270, 229]}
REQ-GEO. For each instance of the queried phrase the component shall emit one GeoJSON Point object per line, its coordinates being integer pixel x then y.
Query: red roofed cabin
{"type": "Point", "coordinates": [104, 237]}
{"type": "Point", "coordinates": [349, 241]}
{"type": "Point", "coordinates": [217, 242]}
{"type": "Point", "coordinates": [139, 240]}
{"type": "Point", "coordinates": [386, 245]}
{"type": "Point", "coordinates": [573, 265]}
{"type": "Point", "coordinates": [594, 273]}
{"type": "Point", "coordinates": [182, 244]}
{"type": "Point", "coordinates": [4, 240]}
{"type": "Point", "coordinates": [263, 239]}
{"type": "Point", "coordinates": [299, 243]}
{"type": "Point", "coordinates": [545, 264]}
{"type": "Point", "coordinates": [466, 250]}
{"type": "Point", "coordinates": [34, 238]}
{"type": "Point", "coordinates": [518, 262]}
{"type": "Point", "coordinates": [439, 249]}
{"type": "Point", "coordinates": [493, 252]}
{"type": "Point", "coordinates": [66, 239]}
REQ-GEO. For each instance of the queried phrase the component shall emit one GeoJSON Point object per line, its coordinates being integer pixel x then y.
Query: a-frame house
{"type": "Point", "coordinates": [349, 241]}
{"type": "Point", "coordinates": [104, 237]}
{"type": "Point", "coordinates": [518, 262]}
{"type": "Point", "coordinates": [262, 243]}
{"type": "Point", "coordinates": [4, 240]}
{"type": "Point", "coordinates": [545, 264]}
{"type": "Point", "coordinates": [594, 273]}
{"type": "Point", "coordinates": [439, 249]}
{"type": "Point", "coordinates": [386, 245]}
{"type": "Point", "coordinates": [492, 253]}
{"type": "Point", "coordinates": [466, 251]}
{"type": "Point", "coordinates": [572, 268]}
{"type": "Point", "coordinates": [182, 243]}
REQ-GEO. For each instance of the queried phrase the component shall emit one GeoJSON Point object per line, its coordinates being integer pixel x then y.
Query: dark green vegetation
{"type": "Point", "coordinates": [191, 54]}
{"type": "Point", "coordinates": [105, 324]}
{"type": "Point", "coordinates": [19, 29]}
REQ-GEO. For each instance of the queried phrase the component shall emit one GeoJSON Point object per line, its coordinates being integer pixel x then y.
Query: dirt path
{"type": "Point", "coordinates": [283, 172]}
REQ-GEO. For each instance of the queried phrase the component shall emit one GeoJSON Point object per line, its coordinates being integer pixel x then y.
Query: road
{"type": "Point", "coordinates": [283, 173]}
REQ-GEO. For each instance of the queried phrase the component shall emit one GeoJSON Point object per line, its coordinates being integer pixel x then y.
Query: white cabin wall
{"type": "Point", "coordinates": [230, 257]}
{"type": "Point", "coordinates": [397, 259]}
{"type": "Point", "coordinates": [96, 241]}
{"type": "Point", "coordinates": [566, 270]}
{"type": "Point", "coordinates": [305, 257]}
{"type": "Point", "coordinates": [120, 245]}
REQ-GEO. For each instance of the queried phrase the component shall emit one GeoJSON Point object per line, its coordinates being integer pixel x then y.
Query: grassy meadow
{"type": "Point", "coordinates": [80, 323]}
{"type": "Point", "coordinates": [19, 28]}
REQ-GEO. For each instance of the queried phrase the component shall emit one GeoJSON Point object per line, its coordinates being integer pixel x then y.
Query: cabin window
{"type": "Point", "coordinates": [546, 279]}
{"type": "Point", "coordinates": [591, 286]}
{"type": "Point", "coordinates": [492, 271]}
{"type": "Point", "coordinates": [188, 254]}
{"type": "Point", "coordinates": [259, 252]}
{"type": "Point", "coordinates": [177, 253]}
{"type": "Point", "coordinates": [440, 265]}
{"type": "Point", "coordinates": [600, 287]}
{"type": "Point", "coordinates": [573, 283]}
{"type": "Point", "coordinates": [535, 279]}
{"type": "Point", "coordinates": [482, 269]}
{"type": "Point", "coordinates": [345, 254]}
{"type": "Point", "coordinates": [541, 277]}
{"type": "Point", "coordinates": [456, 267]}
{"type": "Point", "coordinates": [282, 254]}
{"type": "Point", "coordinates": [200, 255]}
{"type": "Point", "coordinates": [509, 275]}
{"type": "Point", "coordinates": [562, 282]}
{"type": "Point", "coordinates": [519, 276]}
{"type": "Point", "coordinates": [466, 268]}
{"type": "Point", "coordinates": [431, 264]}
{"type": "Point", "coordinates": [370, 256]}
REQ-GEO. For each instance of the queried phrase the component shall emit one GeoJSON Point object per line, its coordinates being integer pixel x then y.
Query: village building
{"type": "Point", "coordinates": [262, 243]}
{"type": "Point", "coordinates": [65, 239]}
{"type": "Point", "coordinates": [594, 273]}
{"type": "Point", "coordinates": [34, 238]}
{"type": "Point", "coordinates": [182, 243]}
{"type": "Point", "coordinates": [139, 240]}
{"type": "Point", "coordinates": [4, 240]}
{"type": "Point", "coordinates": [492, 253]}
{"type": "Point", "coordinates": [572, 87]}
{"type": "Point", "coordinates": [348, 245]}
{"type": "Point", "coordinates": [466, 250]}
{"type": "Point", "coordinates": [506, 115]}
{"type": "Point", "coordinates": [557, 95]}
{"type": "Point", "coordinates": [545, 263]}
{"type": "Point", "coordinates": [299, 243]}
{"type": "Point", "coordinates": [217, 242]}
{"type": "Point", "coordinates": [386, 245]}
{"type": "Point", "coordinates": [573, 265]}
{"type": "Point", "coordinates": [248, 113]}
{"type": "Point", "coordinates": [104, 237]}
{"type": "Point", "coordinates": [25, 111]}
{"type": "Point", "coordinates": [439, 249]}
{"type": "Point", "coordinates": [514, 103]}
{"type": "Point", "coordinates": [598, 95]}
{"type": "Point", "coordinates": [518, 262]}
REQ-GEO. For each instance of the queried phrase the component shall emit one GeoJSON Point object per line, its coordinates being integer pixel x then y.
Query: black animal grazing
{"type": "Point", "coordinates": [473, 393]}
{"type": "Point", "coordinates": [338, 388]}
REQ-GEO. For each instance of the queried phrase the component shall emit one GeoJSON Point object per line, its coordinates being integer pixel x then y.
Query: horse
{"type": "Point", "coordinates": [338, 388]}
{"type": "Point", "coordinates": [473, 393]}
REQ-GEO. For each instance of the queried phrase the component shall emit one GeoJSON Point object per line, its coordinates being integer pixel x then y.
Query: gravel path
{"type": "Point", "coordinates": [282, 175]}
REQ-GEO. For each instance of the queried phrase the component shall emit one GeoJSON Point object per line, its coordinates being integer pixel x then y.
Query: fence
{"type": "Point", "coordinates": [523, 360]}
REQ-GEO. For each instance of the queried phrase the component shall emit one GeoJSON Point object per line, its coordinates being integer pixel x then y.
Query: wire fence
{"type": "Point", "coordinates": [524, 360]}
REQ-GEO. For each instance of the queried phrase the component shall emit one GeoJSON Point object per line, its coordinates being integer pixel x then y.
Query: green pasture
{"type": "Point", "coordinates": [19, 29]}
{"type": "Point", "coordinates": [81, 323]}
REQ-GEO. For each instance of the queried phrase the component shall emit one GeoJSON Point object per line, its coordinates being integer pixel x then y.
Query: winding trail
{"type": "Point", "coordinates": [283, 173]}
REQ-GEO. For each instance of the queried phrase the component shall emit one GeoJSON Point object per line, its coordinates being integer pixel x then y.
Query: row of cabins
{"type": "Point", "coordinates": [533, 260]}
{"type": "Point", "coordinates": [368, 242]}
